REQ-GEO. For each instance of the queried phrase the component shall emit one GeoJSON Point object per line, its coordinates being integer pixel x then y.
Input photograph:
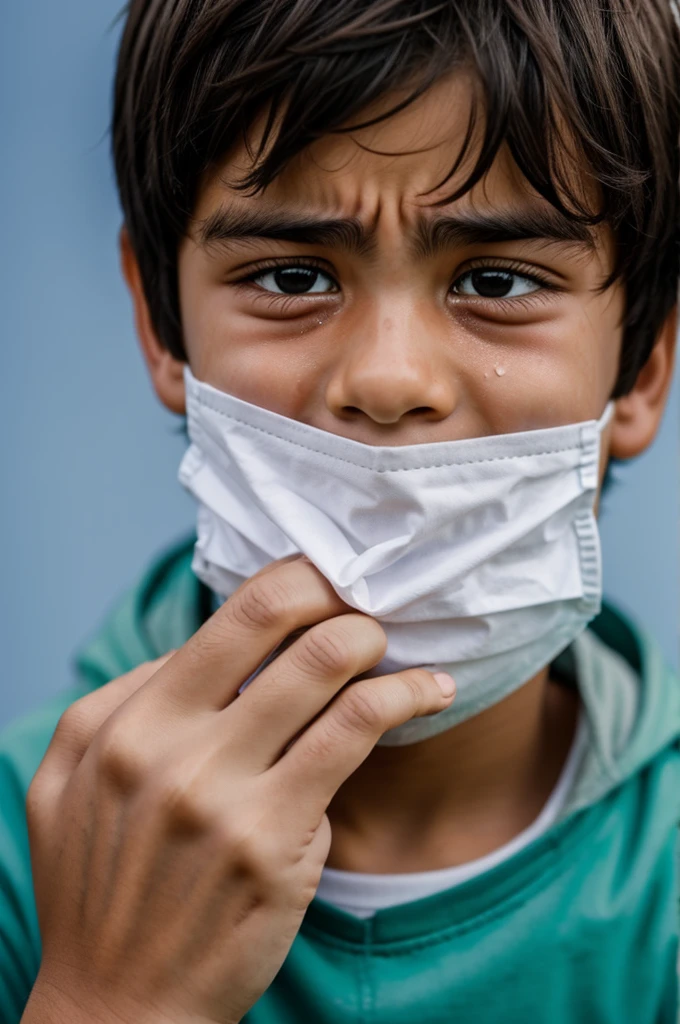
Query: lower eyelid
{"type": "Point", "coordinates": [281, 304]}
{"type": "Point", "coordinates": [492, 308]}
{"type": "Point", "coordinates": [306, 296]}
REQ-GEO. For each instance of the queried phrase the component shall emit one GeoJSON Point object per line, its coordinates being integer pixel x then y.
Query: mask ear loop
{"type": "Point", "coordinates": [606, 416]}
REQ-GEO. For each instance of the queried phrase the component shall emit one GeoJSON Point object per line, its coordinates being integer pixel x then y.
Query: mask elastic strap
{"type": "Point", "coordinates": [606, 416]}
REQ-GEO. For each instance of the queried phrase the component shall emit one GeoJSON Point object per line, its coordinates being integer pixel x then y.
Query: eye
{"type": "Point", "coordinates": [294, 280]}
{"type": "Point", "coordinates": [495, 283]}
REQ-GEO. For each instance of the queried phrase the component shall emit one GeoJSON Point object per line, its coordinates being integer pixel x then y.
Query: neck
{"type": "Point", "coordinates": [457, 796]}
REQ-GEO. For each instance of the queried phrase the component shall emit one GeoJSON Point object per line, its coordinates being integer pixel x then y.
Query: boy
{"type": "Point", "coordinates": [411, 272]}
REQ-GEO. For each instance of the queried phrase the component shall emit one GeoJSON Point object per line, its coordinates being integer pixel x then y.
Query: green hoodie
{"type": "Point", "coordinates": [580, 927]}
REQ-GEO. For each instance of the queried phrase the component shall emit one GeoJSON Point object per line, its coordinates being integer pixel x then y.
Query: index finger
{"type": "Point", "coordinates": [207, 672]}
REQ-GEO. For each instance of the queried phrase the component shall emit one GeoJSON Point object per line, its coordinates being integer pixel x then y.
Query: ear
{"type": "Point", "coordinates": [167, 373]}
{"type": "Point", "coordinates": [638, 414]}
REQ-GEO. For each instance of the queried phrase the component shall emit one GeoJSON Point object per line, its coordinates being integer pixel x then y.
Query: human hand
{"type": "Point", "coordinates": [178, 830]}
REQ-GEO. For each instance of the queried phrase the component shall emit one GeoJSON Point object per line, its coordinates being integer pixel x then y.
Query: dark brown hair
{"type": "Point", "coordinates": [598, 78]}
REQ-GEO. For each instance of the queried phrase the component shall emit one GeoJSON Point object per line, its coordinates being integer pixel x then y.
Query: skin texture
{"type": "Point", "coordinates": [161, 782]}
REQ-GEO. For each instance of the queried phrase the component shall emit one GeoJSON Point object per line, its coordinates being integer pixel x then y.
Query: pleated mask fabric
{"type": "Point", "coordinates": [479, 557]}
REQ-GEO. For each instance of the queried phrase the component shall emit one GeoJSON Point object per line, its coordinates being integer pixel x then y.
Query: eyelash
{"type": "Point", "coordinates": [309, 263]}
{"type": "Point", "coordinates": [512, 267]}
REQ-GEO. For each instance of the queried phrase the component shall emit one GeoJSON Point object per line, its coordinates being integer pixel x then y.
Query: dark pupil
{"type": "Point", "coordinates": [492, 284]}
{"type": "Point", "coordinates": [295, 280]}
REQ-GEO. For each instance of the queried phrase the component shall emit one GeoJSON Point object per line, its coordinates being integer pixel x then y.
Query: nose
{"type": "Point", "coordinates": [393, 368]}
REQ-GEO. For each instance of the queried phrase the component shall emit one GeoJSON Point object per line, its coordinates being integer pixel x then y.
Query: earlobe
{"type": "Point", "coordinates": [638, 415]}
{"type": "Point", "coordinates": [167, 373]}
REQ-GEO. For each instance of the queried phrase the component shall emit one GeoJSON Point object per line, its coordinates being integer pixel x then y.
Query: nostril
{"type": "Point", "coordinates": [421, 410]}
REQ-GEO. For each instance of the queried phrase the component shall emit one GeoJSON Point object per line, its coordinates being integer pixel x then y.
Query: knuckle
{"type": "Point", "coordinates": [417, 683]}
{"type": "Point", "coordinates": [182, 801]}
{"type": "Point", "coordinates": [263, 603]}
{"type": "Point", "coordinates": [121, 755]}
{"type": "Point", "coordinates": [257, 857]}
{"type": "Point", "coordinates": [74, 722]}
{"type": "Point", "coordinates": [361, 709]}
{"type": "Point", "coordinates": [249, 848]}
{"type": "Point", "coordinates": [322, 742]}
{"type": "Point", "coordinates": [324, 650]}
{"type": "Point", "coordinates": [414, 685]}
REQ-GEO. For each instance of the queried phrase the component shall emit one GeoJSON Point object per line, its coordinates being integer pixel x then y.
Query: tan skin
{"type": "Point", "coordinates": [390, 347]}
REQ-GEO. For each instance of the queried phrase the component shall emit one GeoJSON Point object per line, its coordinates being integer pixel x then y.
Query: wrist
{"type": "Point", "coordinates": [51, 1002]}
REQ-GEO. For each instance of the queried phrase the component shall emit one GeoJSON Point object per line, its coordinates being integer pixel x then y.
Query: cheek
{"type": "Point", "coordinates": [276, 376]}
{"type": "Point", "coordinates": [264, 363]}
{"type": "Point", "coordinates": [528, 376]}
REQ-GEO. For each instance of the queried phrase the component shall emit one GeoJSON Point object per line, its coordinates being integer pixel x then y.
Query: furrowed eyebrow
{"type": "Point", "coordinates": [431, 236]}
{"type": "Point", "coordinates": [224, 226]}
{"type": "Point", "coordinates": [539, 224]}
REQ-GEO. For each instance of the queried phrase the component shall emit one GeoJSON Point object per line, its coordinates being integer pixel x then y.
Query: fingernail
{"type": "Point", "coordinates": [445, 683]}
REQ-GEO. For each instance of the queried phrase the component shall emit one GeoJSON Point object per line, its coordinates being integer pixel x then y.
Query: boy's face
{"type": "Point", "coordinates": [343, 298]}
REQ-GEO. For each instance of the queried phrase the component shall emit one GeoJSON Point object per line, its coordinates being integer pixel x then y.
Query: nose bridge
{"type": "Point", "coordinates": [393, 365]}
{"type": "Point", "coordinates": [392, 341]}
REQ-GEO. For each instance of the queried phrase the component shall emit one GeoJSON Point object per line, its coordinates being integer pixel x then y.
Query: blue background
{"type": "Point", "coordinates": [89, 459]}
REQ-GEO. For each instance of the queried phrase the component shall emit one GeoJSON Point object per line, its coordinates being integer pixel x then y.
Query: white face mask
{"type": "Point", "coordinates": [479, 557]}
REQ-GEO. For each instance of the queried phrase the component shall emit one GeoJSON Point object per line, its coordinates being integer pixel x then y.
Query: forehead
{"type": "Point", "coordinates": [398, 159]}
{"type": "Point", "coordinates": [397, 169]}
